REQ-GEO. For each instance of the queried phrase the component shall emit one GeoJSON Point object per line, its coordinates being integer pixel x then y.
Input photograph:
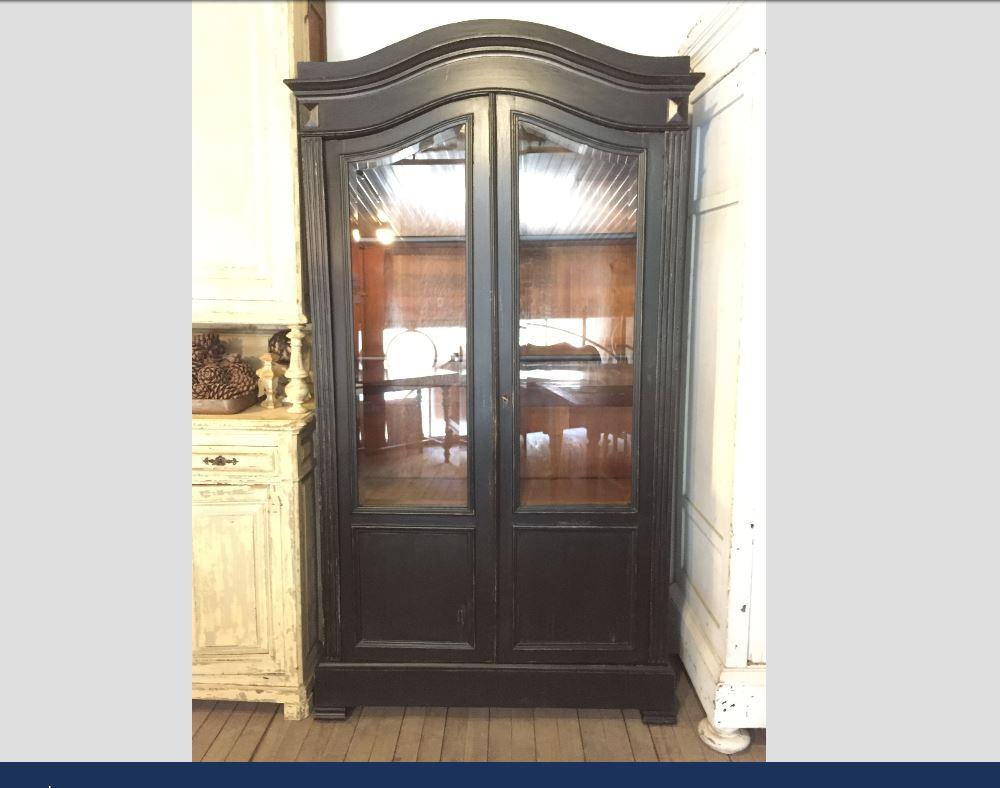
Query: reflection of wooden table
{"type": "Point", "coordinates": [447, 377]}
{"type": "Point", "coordinates": [565, 395]}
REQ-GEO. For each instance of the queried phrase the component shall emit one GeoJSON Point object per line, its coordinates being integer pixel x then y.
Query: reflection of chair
{"type": "Point", "coordinates": [544, 411]}
{"type": "Point", "coordinates": [410, 353]}
{"type": "Point", "coordinates": [403, 421]}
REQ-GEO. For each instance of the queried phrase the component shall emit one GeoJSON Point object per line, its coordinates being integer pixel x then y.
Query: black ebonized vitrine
{"type": "Point", "coordinates": [494, 221]}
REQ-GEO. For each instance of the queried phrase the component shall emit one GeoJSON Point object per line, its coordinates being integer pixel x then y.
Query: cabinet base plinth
{"type": "Point", "coordinates": [341, 685]}
{"type": "Point", "coordinates": [332, 712]}
{"type": "Point", "coordinates": [659, 717]}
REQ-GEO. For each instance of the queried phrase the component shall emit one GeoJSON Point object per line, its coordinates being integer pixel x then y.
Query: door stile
{"type": "Point", "coordinates": [376, 524]}
{"type": "Point", "coordinates": [536, 538]}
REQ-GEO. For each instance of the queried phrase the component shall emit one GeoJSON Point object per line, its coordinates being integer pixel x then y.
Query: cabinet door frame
{"type": "Point", "coordinates": [270, 656]}
{"type": "Point", "coordinates": [638, 518]}
{"type": "Point", "coordinates": [478, 518]}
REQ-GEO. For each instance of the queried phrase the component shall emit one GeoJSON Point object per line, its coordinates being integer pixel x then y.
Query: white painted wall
{"type": "Point", "coordinates": [354, 29]}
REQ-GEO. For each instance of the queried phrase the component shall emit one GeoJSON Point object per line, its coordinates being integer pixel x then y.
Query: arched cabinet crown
{"type": "Point", "coordinates": [615, 88]}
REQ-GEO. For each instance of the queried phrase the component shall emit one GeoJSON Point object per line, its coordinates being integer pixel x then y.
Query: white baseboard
{"type": "Point", "coordinates": [733, 697]}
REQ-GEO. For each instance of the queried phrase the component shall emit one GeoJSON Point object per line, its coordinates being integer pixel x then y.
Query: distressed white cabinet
{"type": "Point", "coordinates": [719, 572]}
{"type": "Point", "coordinates": [255, 617]}
{"type": "Point", "coordinates": [245, 209]}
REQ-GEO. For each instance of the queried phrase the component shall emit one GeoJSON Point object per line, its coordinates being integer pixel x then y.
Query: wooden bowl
{"type": "Point", "coordinates": [214, 407]}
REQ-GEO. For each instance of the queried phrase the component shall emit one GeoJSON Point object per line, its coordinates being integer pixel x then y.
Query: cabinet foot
{"type": "Point", "coordinates": [296, 711]}
{"type": "Point", "coordinates": [659, 717]}
{"type": "Point", "coordinates": [333, 712]}
{"type": "Point", "coordinates": [724, 740]}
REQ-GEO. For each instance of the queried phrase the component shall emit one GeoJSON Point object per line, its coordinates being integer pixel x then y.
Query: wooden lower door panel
{"type": "Point", "coordinates": [236, 606]}
{"type": "Point", "coordinates": [573, 592]}
{"type": "Point", "coordinates": [414, 592]}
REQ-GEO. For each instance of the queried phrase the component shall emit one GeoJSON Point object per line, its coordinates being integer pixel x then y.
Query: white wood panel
{"type": "Point", "coordinates": [714, 349]}
{"type": "Point", "coordinates": [245, 232]}
{"type": "Point", "coordinates": [234, 616]}
{"type": "Point", "coordinates": [704, 571]}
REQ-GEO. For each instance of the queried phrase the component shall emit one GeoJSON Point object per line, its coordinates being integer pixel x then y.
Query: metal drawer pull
{"type": "Point", "coordinates": [220, 460]}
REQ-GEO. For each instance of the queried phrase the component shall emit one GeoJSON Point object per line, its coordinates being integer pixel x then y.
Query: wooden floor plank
{"type": "Point", "coordinates": [200, 710]}
{"type": "Point", "coordinates": [229, 733]}
{"type": "Point", "coordinates": [453, 745]}
{"type": "Point", "coordinates": [639, 737]}
{"type": "Point", "coordinates": [616, 735]}
{"type": "Point", "coordinates": [432, 735]}
{"type": "Point", "coordinates": [522, 735]}
{"type": "Point", "coordinates": [547, 736]}
{"type": "Point", "coordinates": [249, 739]}
{"type": "Point", "coordinates": [315, 741]}
{"type": "Point", "coordinates": [360, 748]}
{"type": "Point", "coordinates": [408, 743]}
{"type": "Point", "coordinates": [477, 735]}
{"type": "Point", "coordinates": [273, 734]}
{"type": "Point", "coordinates": [339, 739]}
{"type": "Point", "coordinates": [665, 742]}
{"type": "Point", "coordinates": [605, 737]}
{"type": "Point", "coordinates": [570, 735]}
{"type": "Point", "coordinates": [595, 748]}
{"type": "Point", "coordinates": [210, 728]}
{"type": "Point", "coordinates": [387, 734]}
{"type": "Point", "coordinates": [499, 740]}
{"type": "Point", "coordinates": [295, 733]}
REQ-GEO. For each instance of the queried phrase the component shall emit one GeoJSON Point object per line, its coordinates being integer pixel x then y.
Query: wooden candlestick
{"type": "Point", "coordinates": [270, 373]}
{"type": "Point", "coordinates": [297, 390]}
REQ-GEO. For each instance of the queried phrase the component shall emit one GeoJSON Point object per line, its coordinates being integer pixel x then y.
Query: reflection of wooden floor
{"type": "Point", "coordinates": [418, 476]}
{"type": "Point", "coordinates": [229, 731]}
{"type": "Point", "coordinates": [536, 492]}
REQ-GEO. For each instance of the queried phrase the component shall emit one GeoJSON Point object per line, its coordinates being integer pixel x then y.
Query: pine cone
{"type": "Point", "coordinates": [199, 356]}
{"type": "Point", "coordinates": [210, 373]}
{"type": "Point", "coordinates": [209, 345]}
{"type": "Point", "coordinates": [280, 346]}
{"type": "Point", "coordinates": [216, 374]}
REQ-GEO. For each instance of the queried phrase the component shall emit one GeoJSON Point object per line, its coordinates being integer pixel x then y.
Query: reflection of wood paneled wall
{"type": "Point", "coordinates": [425, 285]}
{"type": "Point", "coordinates": [421, 284]}
{"type": "Point", "coordinates": [408, 286]}
{"type": "Point", "coordinates": [577, 279]}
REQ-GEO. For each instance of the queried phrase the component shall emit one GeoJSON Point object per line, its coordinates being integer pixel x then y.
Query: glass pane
{"type": "Point", "coordinates": [408, 264]}
{"type": "Point", "coordinates": [578, 209]}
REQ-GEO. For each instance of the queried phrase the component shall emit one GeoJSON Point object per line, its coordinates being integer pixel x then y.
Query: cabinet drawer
{"type": "Point", "coordinates": [221, 461]}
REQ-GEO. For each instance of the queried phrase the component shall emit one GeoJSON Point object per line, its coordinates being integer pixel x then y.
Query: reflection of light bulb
{"type": "Point", "coordinates": [381, 215]}
{"type": "Point", "coordinates": [384, 234]}
{"type": "Point", "coordinates": [356, 235]}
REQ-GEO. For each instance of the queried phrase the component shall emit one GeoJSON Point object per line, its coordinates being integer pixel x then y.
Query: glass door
{"type": "Point", "coordinates": [577, 306]}
{"type": "Point", "coordinates": [414, 393]}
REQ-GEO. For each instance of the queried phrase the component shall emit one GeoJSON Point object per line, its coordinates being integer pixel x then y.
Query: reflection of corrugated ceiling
{"type": "Point", "coordinates": [566, 188]}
